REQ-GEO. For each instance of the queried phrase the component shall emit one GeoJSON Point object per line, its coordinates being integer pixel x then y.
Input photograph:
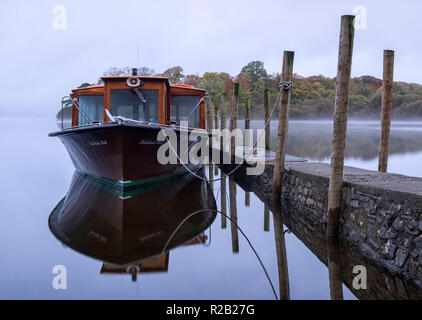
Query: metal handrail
{"type": "Point", "coordinates": [76, 104]}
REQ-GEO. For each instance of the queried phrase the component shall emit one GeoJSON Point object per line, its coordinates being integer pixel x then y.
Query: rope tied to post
{"type": "Point", "coordinates": [285, 85]}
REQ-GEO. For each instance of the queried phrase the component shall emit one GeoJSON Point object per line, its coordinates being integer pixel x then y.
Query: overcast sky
{"type": "Point", "coordinates": [43, 57]}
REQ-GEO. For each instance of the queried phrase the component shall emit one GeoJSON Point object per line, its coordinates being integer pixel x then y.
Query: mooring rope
{"type": "Point", "coordinates": [283, 85]}
{"type": "Point", "coordinates": [241, 231]}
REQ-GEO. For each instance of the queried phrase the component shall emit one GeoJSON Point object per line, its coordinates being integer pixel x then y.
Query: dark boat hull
{"type": "Point", "coordinates": [121, 154]}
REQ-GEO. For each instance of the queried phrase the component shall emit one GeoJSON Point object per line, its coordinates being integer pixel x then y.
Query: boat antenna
{"type": "Point", "coordinates": [138, 56]}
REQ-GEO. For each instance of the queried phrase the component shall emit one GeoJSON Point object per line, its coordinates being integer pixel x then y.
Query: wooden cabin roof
{"type": "Point", "coordinates": [97, 87]}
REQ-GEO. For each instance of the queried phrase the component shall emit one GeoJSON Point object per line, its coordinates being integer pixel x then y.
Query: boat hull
{"type": "Point", "coordinates": [121, 154]}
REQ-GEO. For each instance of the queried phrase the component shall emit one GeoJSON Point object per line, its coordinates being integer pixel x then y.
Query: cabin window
{"type": "Point", "coordinates": [92, 106]}
{"type": "Point", "coordinates": [128, 104]}
{"type": "Point", "coordinates": [182, 109]}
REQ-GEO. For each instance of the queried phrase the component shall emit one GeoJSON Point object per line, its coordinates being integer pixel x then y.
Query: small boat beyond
{"type": "Point", "coordinates": [114, 129]}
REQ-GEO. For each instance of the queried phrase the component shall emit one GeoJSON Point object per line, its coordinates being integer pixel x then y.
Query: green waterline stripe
{"type": "Point", "coordinates": [120, 189]}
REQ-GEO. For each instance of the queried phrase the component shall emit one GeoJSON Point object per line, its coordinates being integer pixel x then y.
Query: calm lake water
{"type": "Point", "coordinates": [36, 172]}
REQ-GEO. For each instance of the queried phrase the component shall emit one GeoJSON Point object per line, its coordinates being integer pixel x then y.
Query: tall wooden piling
{"type": "Point", "coordinates": [216, 126]}
{"type": "Point", "coordinates": [247, 199]}
{"type": "Point", "coordinates": [217, 116]}
{"type": "Point", "coordinates": [283, 122]}
{"type": "Point", "coordinates": [267, 117]}
{"type": "Point", "coordinates": [234, 116]}
{"type": "Point", "coordinates": [248, 137]}
{"type": "Point", "coordinates": [387, 99]}
{"type": "Point", "coordinates": [223, 125]}
{"type": "Point", "coordinates": [248, 113]}
{"type": "Point", "coordinates": [210, 128]}
{"type": "Point", "coordinates": [340, 124]}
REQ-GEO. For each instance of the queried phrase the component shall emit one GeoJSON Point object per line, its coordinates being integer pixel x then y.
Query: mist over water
{"type": "Point", "coordinates": [36, 173]}
{"type": "Point", "coordinates": [312, 140]}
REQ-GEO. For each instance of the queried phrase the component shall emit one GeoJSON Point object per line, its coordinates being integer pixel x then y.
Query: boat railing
{"type": "Point", "coordinates": [121, 119]}
{"type": "Point", "coordinates": [76, 104]}
{"type": "Point", "coordinates": [197, 105]}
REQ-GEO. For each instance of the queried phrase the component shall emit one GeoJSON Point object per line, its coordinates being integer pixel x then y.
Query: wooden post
{"type": "Point", "coordinates": [266, 218]}
{"type": "Point", "coordinates": [223, 125]}
{"type": "Point", "coordinates": [248, 139]}
{"type": "Point", "coordinates": [283, 123]}
{"type": "Point", "coordinates": [247, 199]}
{"type": "Point", "coordinates": [217, 117]}
{"type": "Point", "coordinates": [387, 98]}
{"type": "Point", "coordinates": [233, 216]}
{"type": "Point", "coordinates": [211, 118]}
{"type": "Point", "coordinates": [267, 116]}
{"type": "Point", "coordinates": [248, 114]}
{"type": "Point", "coordinates": [340, 124]}
{"type": "Point", "coordinates": [216, 125]}
{"type": "Point", "coordinates": [210, 128]}
{"type": "Point", "coordinates": [233, 116]}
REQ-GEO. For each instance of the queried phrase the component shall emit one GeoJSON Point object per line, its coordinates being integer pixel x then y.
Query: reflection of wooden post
{"type": "Point", "coordinates": [267, 116]}
{"type": "Point", "coordinates": [334, 271]}
{"type": "Point", "coordinates": [283, 123]}
{"type": "Point", "coordinates": [280, 244]}
{"type": "Point", "coordinates": [211, 176]}
{"type": "Point", "coordinates": [233, 116]}
{"type": "Point", "coordinates": [247, 199]}
{"type": "Point", "coordinates": [233, 216]}
{"type": "Point", "coordinates": [223, 202]}
{"type": "Point", "coordinates": [387, 98]}
{"type": "Point", "coordinates": [266, 218]}
{"type": "Point", "coordinates": [340, 124]}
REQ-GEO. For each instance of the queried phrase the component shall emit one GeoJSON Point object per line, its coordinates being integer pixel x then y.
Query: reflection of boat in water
{"type": "Point", "coordinates": [125, 229]}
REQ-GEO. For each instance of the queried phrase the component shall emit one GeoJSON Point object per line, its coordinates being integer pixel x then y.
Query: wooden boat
{"type": "Point", "coordinates": [126, 229]}
{"type": "Point", "coordinates": [114, 128]}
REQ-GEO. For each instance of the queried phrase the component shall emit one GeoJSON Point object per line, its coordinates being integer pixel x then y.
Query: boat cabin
{"type": "Point", "coordinates": [139, 98]}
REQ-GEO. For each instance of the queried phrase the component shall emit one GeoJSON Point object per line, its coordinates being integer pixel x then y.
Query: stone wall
{"type": "Point", "coordinates": [381, 219]}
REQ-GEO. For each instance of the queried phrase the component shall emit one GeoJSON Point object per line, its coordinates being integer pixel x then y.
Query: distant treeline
{"type": "Point", "coordinates": [311, 97]}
